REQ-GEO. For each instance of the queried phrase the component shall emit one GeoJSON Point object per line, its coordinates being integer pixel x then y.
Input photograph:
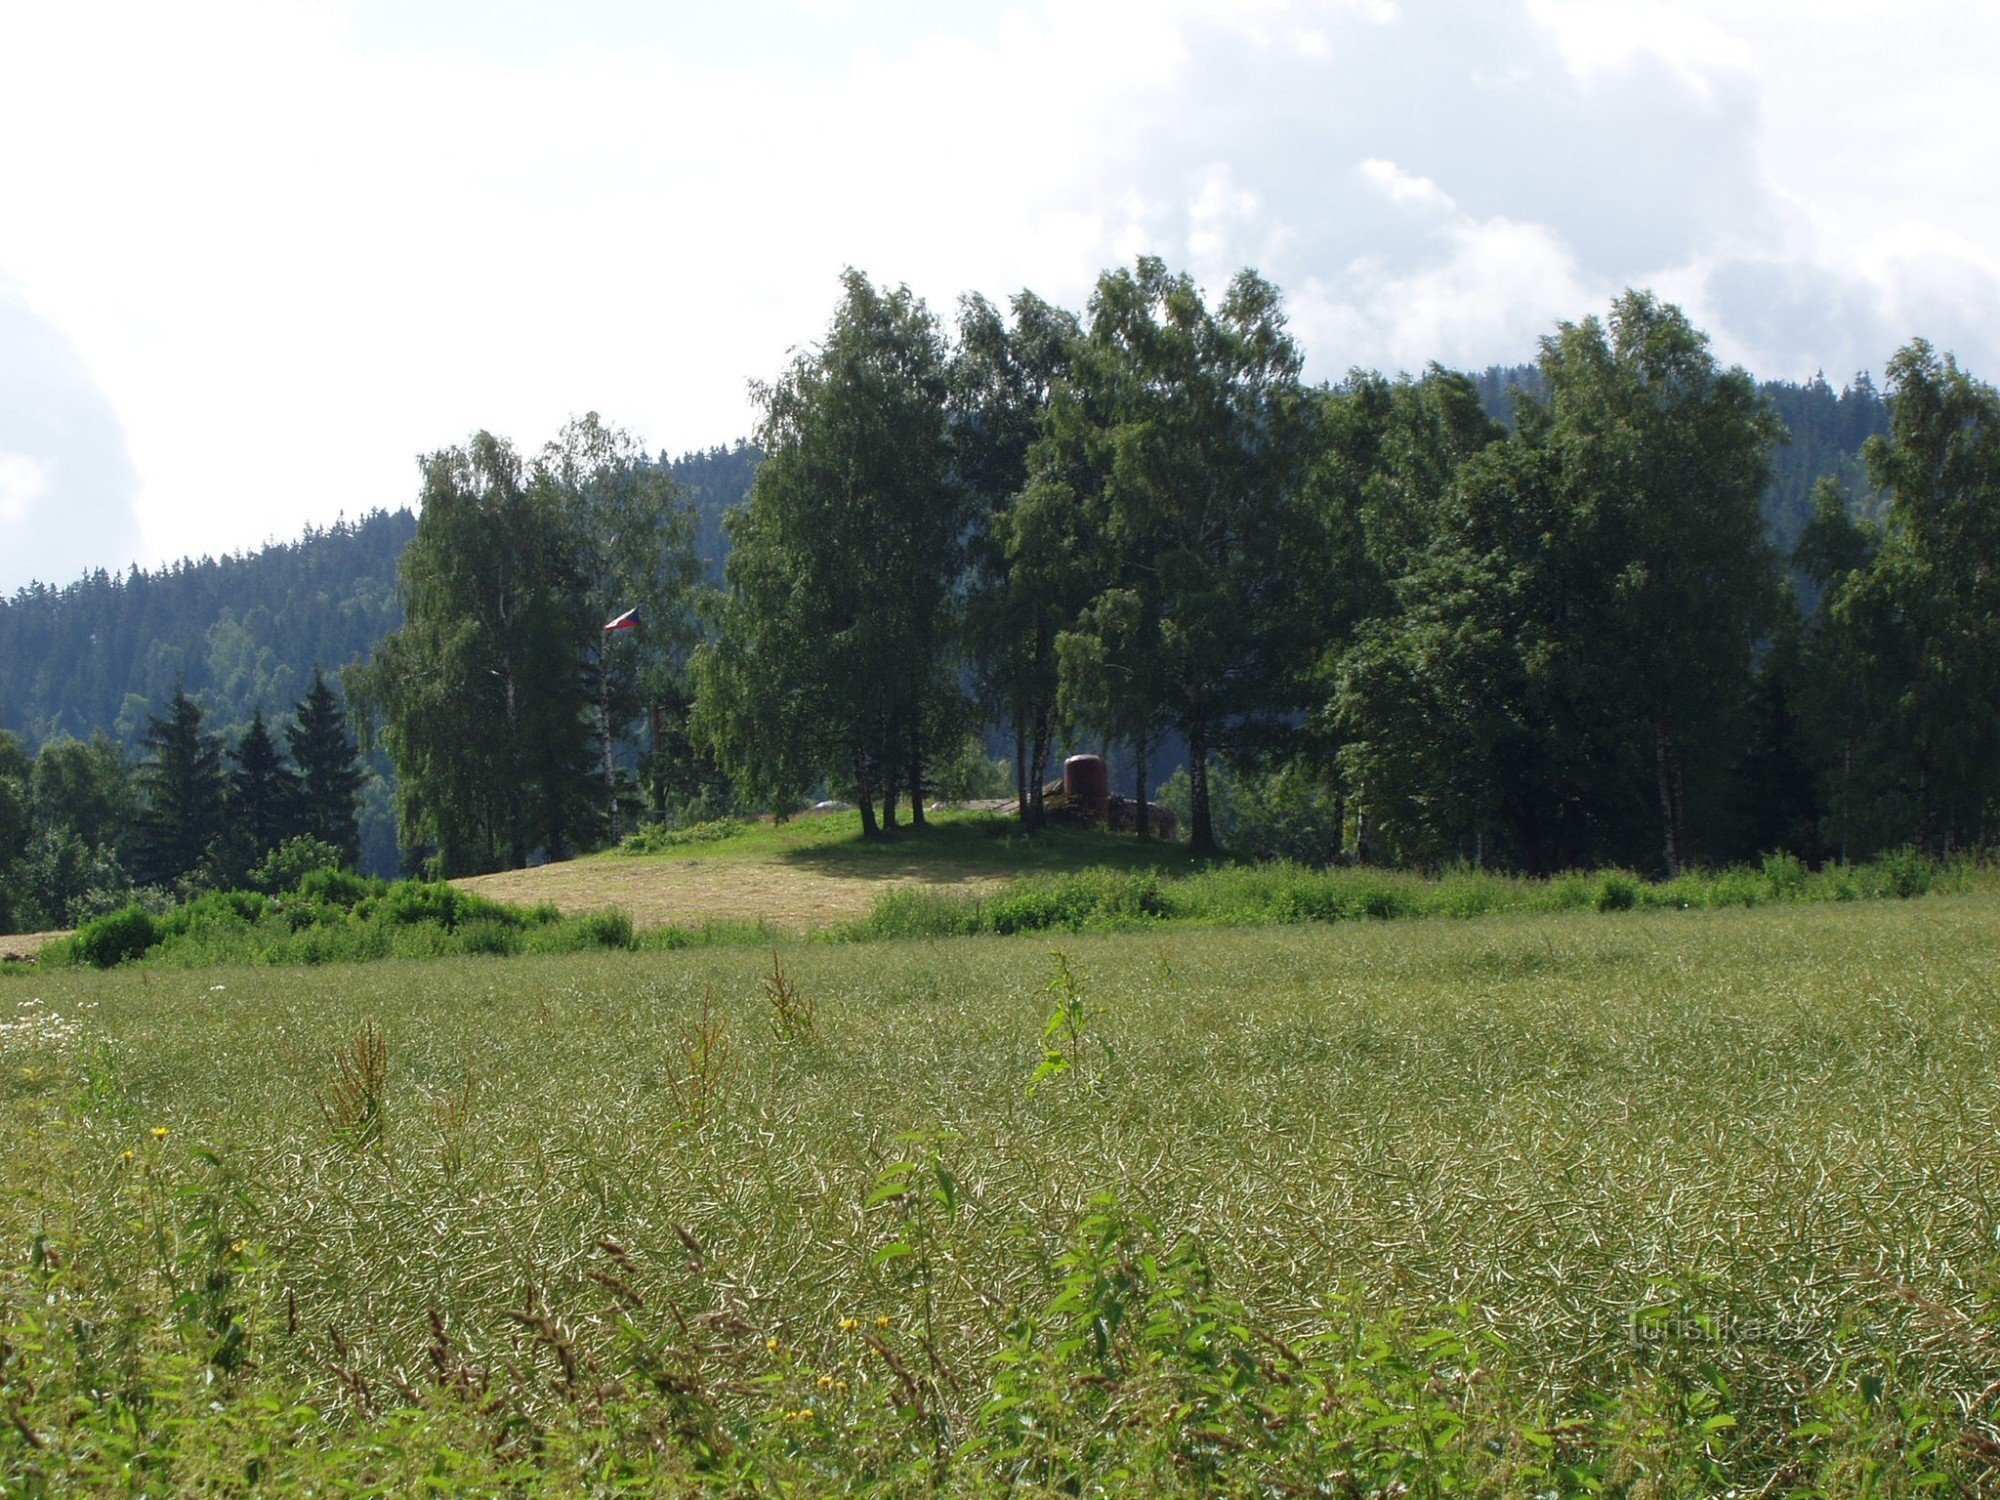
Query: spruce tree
{"type": "Point", "coordinates": [263, 794]}
{"type": "Point", "coordinates": [329, 774]}
{"type": "Point", "coordinates": [182, 790]}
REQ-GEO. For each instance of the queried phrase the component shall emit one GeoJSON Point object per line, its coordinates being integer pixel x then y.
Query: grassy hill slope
{"type": "Point", "coordinates": [816, 870]}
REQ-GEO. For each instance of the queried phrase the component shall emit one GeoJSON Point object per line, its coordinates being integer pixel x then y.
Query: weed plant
{"type": "Point", "coordinates": [1671, 1203]}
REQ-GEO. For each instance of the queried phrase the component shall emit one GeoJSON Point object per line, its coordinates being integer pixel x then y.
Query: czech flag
{"type": "Point", "coordinates": [627, 621]}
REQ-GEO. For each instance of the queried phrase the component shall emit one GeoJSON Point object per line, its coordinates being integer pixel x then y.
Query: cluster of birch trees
{"type": "Point", "coordinates": [1562, 641]}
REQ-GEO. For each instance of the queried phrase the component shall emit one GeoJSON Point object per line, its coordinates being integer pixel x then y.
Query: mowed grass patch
{"type": "Point", "coordinates": [1706, 1199]}
{"type": "Point", "coordinates": [816, 870]}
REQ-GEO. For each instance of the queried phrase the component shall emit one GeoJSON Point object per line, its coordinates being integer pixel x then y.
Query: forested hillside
{"type": "Point", "coordinates": [714, 479]}
{"type": "Point", "coordinates": [241, 633]}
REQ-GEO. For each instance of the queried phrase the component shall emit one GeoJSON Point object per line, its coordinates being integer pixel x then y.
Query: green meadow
{"type": "Point", "coordinates": [1634, 1202]}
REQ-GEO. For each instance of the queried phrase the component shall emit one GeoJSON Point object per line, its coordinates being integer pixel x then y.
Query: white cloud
{"type": "Point", "coordinates": [24, 480]}
{"type": "Point", "coordinates": [1498, 286]}
{"type": "Point", "coordinates": [1604, 36]}
{"type": "Point", "coordinates": [293, 243]}
{"type": "Point", "coordinates": [1405, 189]}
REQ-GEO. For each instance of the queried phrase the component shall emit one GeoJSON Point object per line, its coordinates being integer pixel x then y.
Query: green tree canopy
{"type": "Point", "coordinates": [481, 694]}
{"type": "Point", "coordinates": [1906, 649]}
{"type": "Point", "coordinates": [1181, 446]}
{"type": "Point", "coordinates": [1573, 634]}
{"type": "Point", "coordinates": [835, 653]}
{"type": "Point", "coordinates": [263, 799]}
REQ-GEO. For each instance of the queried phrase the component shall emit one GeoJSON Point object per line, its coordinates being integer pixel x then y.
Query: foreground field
{"type": "Point", "coordinates": [1645, 1203]}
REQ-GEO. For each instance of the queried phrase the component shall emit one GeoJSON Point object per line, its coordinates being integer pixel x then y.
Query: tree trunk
{"type": "Point", "coordinates": [864, 797]}
{"type": "Point", "coordinates": [1339, 821]}
{"type": "Point", "coordinates": [1038, 765]}
{"type": "Point", "coordinates": [890, 793]}
{"type": "Point", "coordinates": [1683, 832]}
{"type": "Point", "coordinates": [1021, 770]}
{"type": "Point", "coordinates": [604, 707]}
{"type": "Point", "coordinates": [1668, 821]}
{"type": "Point", "coordinates": [1846, 793]}
{"type": "Point", "coordinates": [655, 790]}
{"type": "Point", "coordinates": [517, 800]}
{"type": "Point", "coordinates": [916, 784]}
{"type": "Point", "coordinates": [1139, 783]}
{"type": "Point", "coordinates": [1201, 824]}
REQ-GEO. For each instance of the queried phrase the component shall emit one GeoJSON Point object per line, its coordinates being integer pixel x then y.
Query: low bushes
{"type": "Point", "coordinates": [1279, 892]}
{"type": "Point", "coordinates": [111, 939]}
{"type": "Point", "coordinates": [337, 916]}
{"type": "Point", "coordinates": [657, 838]}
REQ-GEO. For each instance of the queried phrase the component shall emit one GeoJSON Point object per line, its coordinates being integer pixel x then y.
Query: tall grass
{"type": "Point", "coordinates": [1281, 893]}
{"type": "Point", "coordinates": [1541, 1205]}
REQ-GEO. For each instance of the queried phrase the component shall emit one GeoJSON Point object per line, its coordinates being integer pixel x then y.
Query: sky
{"type": "Point", "coordinates": [257, 255]}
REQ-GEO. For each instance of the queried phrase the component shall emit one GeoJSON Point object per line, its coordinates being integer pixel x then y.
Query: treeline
{"type": "Point", "coordinates": [83, 831]}
{"type": "Point", "coordinates": [1538, 622]}
{"type": "Point", "coordinates": [1622, 606]}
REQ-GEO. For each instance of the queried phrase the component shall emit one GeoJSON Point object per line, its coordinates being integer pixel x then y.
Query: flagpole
{"type": "Point", "coordinates": [604, 705]}
{"type": "Point", "coordinates": [627, 621]}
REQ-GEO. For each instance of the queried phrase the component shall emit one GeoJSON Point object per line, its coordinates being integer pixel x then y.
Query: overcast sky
{"type": "Point", "coordinates": [255, 255]}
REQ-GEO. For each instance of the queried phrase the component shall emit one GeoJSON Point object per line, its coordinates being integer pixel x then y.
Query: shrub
{"type": "Point", "coordinates": [413, 903]}
{"type": "Point", "coordinates": [291, 862]}
{"type": "Point", "coordinates": [484, 935]}
{"type": "Point", "coordinates": [338, 887]}
{"type": "Point", "coordinates": [1785, 874]}
{"type": "Point", "coordinates": [604, 929]}
{"type": "Point", "coordinates": [1308, 901]}
{"type": "Point", "coordinates": [919, 912]}
{"type": "Point", "coordinates": [1617, 891]}
{"type": "Point", "coordinates": [1038, 905]}
{"type": "Point", "coordinates": [659, 837]}
{"type": "Point", "coordinates": [110, 940]}
{"type": "Point", "coordinates": [1905, 873]}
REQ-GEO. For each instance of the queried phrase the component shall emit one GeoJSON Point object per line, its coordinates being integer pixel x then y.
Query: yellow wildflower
{"type": "Point", "coordinates": [159, 1132]}
{"type": "Point", "coordinates": [848, 1325]}
{"type": "Point", "coordinates": [770, 1346]}
{"type": "Point", "coordinates": [882, 1322]}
